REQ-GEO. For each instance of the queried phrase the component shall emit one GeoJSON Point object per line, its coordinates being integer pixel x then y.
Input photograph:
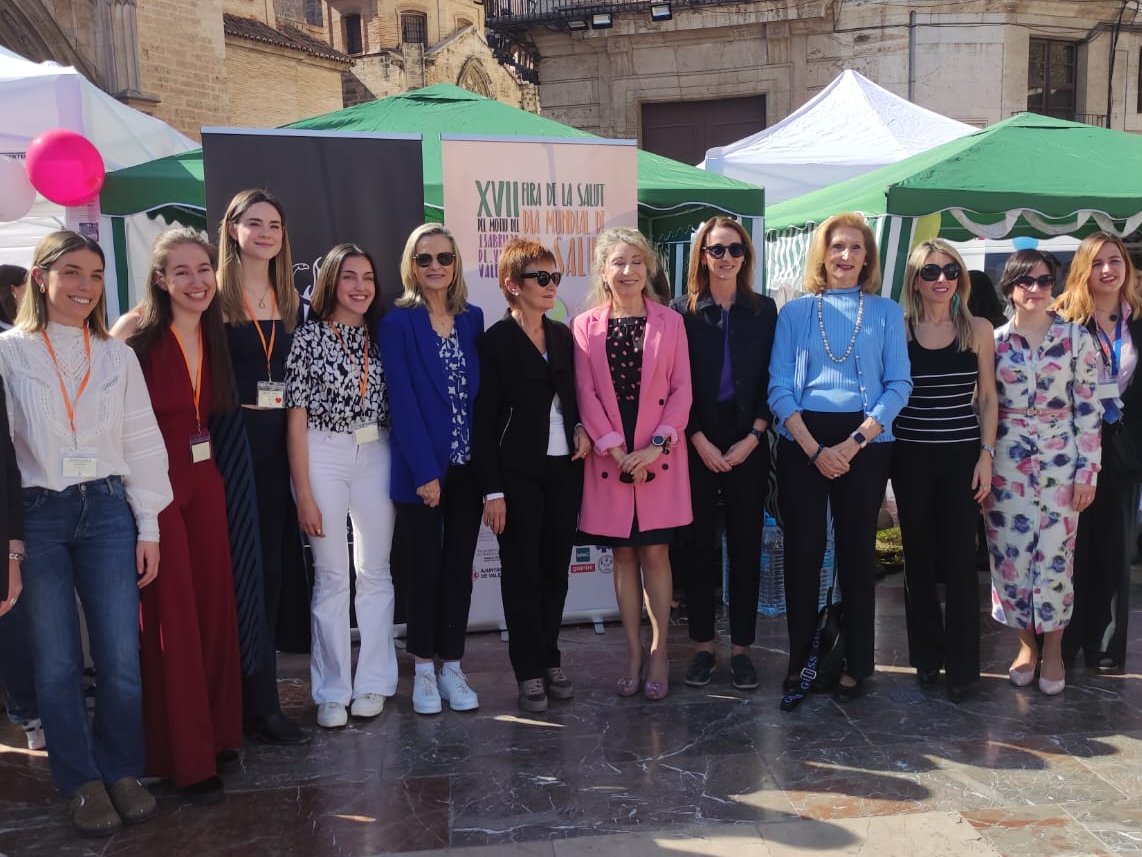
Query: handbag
{"type": "Point", "coordinates": [1126, 457]}
{"type": "Point", "coordinates": [826, 654]}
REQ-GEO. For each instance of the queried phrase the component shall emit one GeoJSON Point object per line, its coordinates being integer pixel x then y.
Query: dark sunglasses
{"type": "Point", "coordinates": [542, 278]}
{"type": "Point", "coordinates": [931, 273]}
{"type": "Point", "coordinates": [737, 250]}
{"type": "Point", "coordinates": [1043, 281]}
{"type": "Point", "coordinates": [423, 260]}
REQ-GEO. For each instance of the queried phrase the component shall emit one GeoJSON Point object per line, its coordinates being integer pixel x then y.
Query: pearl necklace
{"type": "Point", "coordinates": [856, 330]}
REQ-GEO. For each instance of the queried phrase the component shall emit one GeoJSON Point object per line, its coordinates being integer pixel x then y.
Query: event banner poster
{"type": "Point", "coordinates": [560, 192]}
{"type": "Point", "coordinates": [336, 187]}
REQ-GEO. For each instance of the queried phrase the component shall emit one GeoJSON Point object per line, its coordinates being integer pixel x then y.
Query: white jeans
{"type": "Point", "coordinates": [352, 480]}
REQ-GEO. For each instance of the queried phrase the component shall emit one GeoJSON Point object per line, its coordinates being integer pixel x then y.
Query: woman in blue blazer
{"type": "Point", "coordinates": [428, 348]}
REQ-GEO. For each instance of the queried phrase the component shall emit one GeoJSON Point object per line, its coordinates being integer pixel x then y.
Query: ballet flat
{"type": "Point", "coordinates": [627, 686]}
{"type": "Point", "coordinates": [1051, 688]}
{"type": "Point", "coordinates": [1021, 678]}
{"type": "Point", "coordinates": [656, 691]}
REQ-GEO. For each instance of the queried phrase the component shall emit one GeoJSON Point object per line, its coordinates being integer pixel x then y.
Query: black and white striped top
{"type": "Point", "coordinates": [940, 407]}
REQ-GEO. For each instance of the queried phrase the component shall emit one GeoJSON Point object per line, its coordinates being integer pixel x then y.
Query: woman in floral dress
{"type": "Point", "coordinates": [1047, 460]}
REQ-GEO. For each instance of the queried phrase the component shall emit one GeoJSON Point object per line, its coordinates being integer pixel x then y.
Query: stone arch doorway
{"type": "Point", "coordinates": [475, 79]}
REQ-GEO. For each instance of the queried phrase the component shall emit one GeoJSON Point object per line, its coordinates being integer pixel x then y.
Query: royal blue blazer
{"type": "Point", "coordinates": [420, 406]}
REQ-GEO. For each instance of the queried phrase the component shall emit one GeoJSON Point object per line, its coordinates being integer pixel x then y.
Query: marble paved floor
{"type": "Point", "coordinates": [707, 772]}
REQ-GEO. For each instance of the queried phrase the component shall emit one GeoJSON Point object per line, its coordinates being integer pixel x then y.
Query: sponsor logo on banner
{"type": "Point", "coordinates": [582, 567]}
{"type": "Point", "coordinates": [582, 554]}
{"type": "Point", "coordinates": [606, 563]}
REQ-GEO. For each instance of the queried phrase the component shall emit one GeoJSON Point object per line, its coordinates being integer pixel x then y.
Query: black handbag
{"type": "Point", "coordinates": [1124, 454]}
{"type": "Point", "coordinates": [826, 655]}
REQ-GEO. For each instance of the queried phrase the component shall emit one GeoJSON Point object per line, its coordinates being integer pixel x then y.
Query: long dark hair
{"type": "Point", "coordinates": [11, 276]}
{"type": "Point", "coordinates": [324, 299]}
{"type": "Point", "coordinates": [156, 315]}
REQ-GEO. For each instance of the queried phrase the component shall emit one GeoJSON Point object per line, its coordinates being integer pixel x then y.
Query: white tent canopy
{"type": "Point", "coordinates": [850, 127]}
{"type": "Point", "coordinates": [35, 97]}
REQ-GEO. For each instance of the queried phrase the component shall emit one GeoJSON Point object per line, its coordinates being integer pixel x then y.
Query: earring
{"type": "Point", "coordinates": [515, 293]}
{"type": "Point", "coordinates": [955, 304]}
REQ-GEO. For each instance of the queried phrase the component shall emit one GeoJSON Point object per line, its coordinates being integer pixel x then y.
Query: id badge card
{"type": "Point", "coordinates": [271, 394]}
{"type": "Point", "coordinates": [1108, 390]}
{"type": "Point", "coordinates": [78, 464]}
{"type": "Point", "coordinates": [200, 446]}
{"type": "Point", "coordinates": [364, 433]}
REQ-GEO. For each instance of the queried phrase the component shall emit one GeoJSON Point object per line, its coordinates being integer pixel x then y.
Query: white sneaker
{"type": "Point", "coordinates": [367, 705]}
{"type": "Point", "coordinates": [34, 732]}
{"type": "Point", "coordinates": [454, 687]}
{"type": "Point", "coordinates": [425, 696]}
{"type": "Point", "coordinates": [331, 715]}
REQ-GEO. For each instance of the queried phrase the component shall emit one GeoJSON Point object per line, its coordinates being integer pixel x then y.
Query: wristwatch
{"type": "Point", "coordinates": [758, 433]}
{"type": "Point", "coordinates": [861, 440]}
{"type": "Point", "coordinates": [660, 440]}
{"type": "Point", "coordinates": [988, 448]}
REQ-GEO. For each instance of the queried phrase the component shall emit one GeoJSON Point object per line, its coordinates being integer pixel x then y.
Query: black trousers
{"type": "Point", "coordinates": [1104, 545]}
{"type": "Point", "coordinates": [438, 590]}
{"type": "Point", "coordinates": [804, 496]}
{"type": "Point", "coordinates": [743, 498]}
{"type": "Point", "coordinates": [535, 550]}
{"type": "Point", "coordinates": [938, 518]}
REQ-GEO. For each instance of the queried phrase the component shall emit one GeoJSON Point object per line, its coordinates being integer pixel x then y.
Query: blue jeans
{"type": "Point", "coordinates": [82, 540]}
{"type": "Point", "coordinates": [16, 678]}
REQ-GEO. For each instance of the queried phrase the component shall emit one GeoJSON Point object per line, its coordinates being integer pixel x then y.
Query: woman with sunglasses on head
{"type": "Point", "coordinates": [729, 330]}
{"type": "Point", "coordinates": [94, 471]}
{"type": "Point", "coordinates": [527, 442]}
{"type": "Point", "coordinates": [339, 464]}
{"type": "Point", "coordinates": [1047, 459]}
{"type": "Point", "coordinates": [260, 305]}
{"type": "Point", "coordinates": [632, 374]}
{"type": "Point", "coordinates": [941, 464]}
{"type": "Point", "coordinates": [192, 678]}
{"type": "Point", "coordinates": [1102, 295]}
{"type": "Point", "coordinates": [428, 343]}
{"type": "Point", "coordinates": [838, 376]}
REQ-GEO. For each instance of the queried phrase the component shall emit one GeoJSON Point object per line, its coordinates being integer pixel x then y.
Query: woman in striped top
{"type": "Point", "coordinates": [941, 470]}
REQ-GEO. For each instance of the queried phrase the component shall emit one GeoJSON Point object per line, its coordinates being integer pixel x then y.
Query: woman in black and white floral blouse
{"type": "Point", "coordinates": [338, 436]}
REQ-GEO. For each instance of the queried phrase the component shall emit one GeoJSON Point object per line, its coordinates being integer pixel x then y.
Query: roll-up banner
{"type": "Point", "coordinates": [561, 193]}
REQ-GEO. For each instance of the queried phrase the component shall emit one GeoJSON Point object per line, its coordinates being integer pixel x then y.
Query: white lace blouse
{"type": "Point", "coordinates": [113, 417]}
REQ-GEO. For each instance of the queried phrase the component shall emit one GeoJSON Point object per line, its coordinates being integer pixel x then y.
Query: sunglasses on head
{"type": "Point", "coordinates": [542, 278]}
{"type": "Point", "coordinates": [931, 273]}
{"type": "Point", "coordinates": [1043, 281]}
{"type": "Point", "coordinates": [423, 260]}
{"type": "Point", "coordinates": [736, 250]}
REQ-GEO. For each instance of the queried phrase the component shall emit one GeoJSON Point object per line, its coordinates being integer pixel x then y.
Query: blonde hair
{"type": "Point", "coordinates": [32, 316]}
{"type": "Point", "coordinates": [816, 280]}
{"type": "Point", "coordinates": [230, 262]}
{"type": "Point", "coordinates": [456, 298]}
{"type": "Point", "coordinates": [1076, 302]}
{"type": "Point", "coordinates": [605, 242]}
{"type": "Point", "coordinates": [698, 271]}
{"type": "Point", "coordinates": [962, 319]}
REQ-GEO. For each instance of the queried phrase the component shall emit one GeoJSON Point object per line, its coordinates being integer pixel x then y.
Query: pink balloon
{"type": "Point", "coordinates": [65, 167]}
{"type": "Point", "coordinates": [16, 193]}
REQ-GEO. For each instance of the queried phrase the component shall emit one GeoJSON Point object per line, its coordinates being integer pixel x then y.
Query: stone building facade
{"type": "Point", "coordinates": [683, 81]}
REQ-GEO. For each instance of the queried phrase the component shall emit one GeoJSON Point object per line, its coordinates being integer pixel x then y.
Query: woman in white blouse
{"type": "Point", "coordinates": [94, 471]}
{"type": "Point", "coordinates": [338, 438]}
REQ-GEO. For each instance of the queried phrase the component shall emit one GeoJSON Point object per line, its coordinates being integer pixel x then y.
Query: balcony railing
{"type": "Point", "coordinates": [1096, 119]}
{"type": "Point", "coordinates": [506, 14]}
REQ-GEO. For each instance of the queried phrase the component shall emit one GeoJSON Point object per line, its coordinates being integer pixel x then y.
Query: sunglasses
{"type": "Point", "coordinates": [737, 250]}
{"type": "Point", "coordinates": [542, 278]}
{"type": "Point", "coordinates": [931, 273]}
{"type": "Point", "coordinates": [1043, 281]}
{"type": "Point", "coordinates": [423, 260]}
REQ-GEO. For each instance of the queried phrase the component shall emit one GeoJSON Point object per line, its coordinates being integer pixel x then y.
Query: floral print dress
{"type": "Point", "coordinates": [1048, 441]}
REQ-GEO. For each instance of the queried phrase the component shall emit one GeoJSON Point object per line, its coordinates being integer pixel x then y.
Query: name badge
{"type": "Point", "coordinates": [271, 394]}
{"type": "Point", "coordinates": [200, 446]}
{"type": "Point", "coordinates": [1108, 390]}
{"type": "Point", "coordinates": [78, 464]}
{"type": "Point", "coordinates": [366, 433]}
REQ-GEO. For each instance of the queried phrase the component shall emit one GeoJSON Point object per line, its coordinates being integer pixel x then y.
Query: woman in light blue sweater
{"type": "Point", "coordinates": [838, 376]}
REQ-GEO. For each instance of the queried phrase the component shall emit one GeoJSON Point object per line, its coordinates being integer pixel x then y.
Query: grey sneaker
{"type": "Point", "coordinates": [532, 696]}
{"type": "Point", "coordinates": [558, 685]}
{"type": "Point", "coordinates": [133, 802]}
{"type": "Point", "coordinates": [92, 813]}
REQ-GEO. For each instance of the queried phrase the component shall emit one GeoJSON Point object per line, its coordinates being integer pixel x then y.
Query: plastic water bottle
{"type": "Point", "coordinates": [771, 593]}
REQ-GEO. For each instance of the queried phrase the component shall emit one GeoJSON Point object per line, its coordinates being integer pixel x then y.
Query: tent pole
{"type": "Point", "coordinates": [119, 248]}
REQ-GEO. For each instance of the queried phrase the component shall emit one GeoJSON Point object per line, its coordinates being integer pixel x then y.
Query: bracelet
{"type": "Point", "coordinates": [989, 449]}
{"type": "Point", "coordinates": [19, 557]}
{"type": "Point", "coordinates": [813, 458]}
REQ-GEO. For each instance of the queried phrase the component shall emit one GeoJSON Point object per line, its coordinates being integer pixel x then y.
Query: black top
{"type": "Point", "coordinates": [752, 325]}
{"type": "Point", "coordinates": [323, 375]}
{"type": "Point", "coordinates": [12, 515]}
{"type": "Point", "coordinates": [625, 337]}
{"type": "Point", "coordinates": [249, 358]}
{"type": "Point", "coordinates": [943, 386]}
{"type": "Point", "coordinates": [512, 418]}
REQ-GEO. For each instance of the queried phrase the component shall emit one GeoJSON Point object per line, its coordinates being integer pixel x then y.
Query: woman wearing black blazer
{"type": "Point", "coordinates": [730, 332]}
{"type": "Point", "coordinates": [1103, 294]}
{"type": "Point", "coordinates": [527, 442]}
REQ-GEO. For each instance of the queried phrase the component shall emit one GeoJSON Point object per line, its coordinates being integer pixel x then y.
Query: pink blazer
{"type": "Point", "coordinates": [663, 408]}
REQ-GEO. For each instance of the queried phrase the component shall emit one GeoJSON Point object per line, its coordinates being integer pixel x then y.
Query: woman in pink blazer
{"type": "Point", "coordinates": [632, 374]}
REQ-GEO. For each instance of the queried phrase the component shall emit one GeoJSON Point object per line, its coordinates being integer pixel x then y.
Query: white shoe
{"type": "Point", "coordinates": [367, 705]}
{"type": "Point", "coordinates": [454, 687]}
{"type": "Point", "coordinates": [1021, 678]}
{"type": "Point", "coordinates": [34, 732]}
{"type": "Point", "coordinates": [425, 696]}
{"type": "Point", "coordinates": [1052, 688]}
{"type": "Point", "coordinates": [331, 715]}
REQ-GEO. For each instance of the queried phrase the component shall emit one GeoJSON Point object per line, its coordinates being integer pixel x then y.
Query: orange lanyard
{"type": "Point", "coordinates": [195, 379]}
{"type": "Point", "coordinates": [364, 385]}
{"type": "Point", "coordinates": [69, 404]}
{"type": "Point", "coordinates": [269, 349]}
